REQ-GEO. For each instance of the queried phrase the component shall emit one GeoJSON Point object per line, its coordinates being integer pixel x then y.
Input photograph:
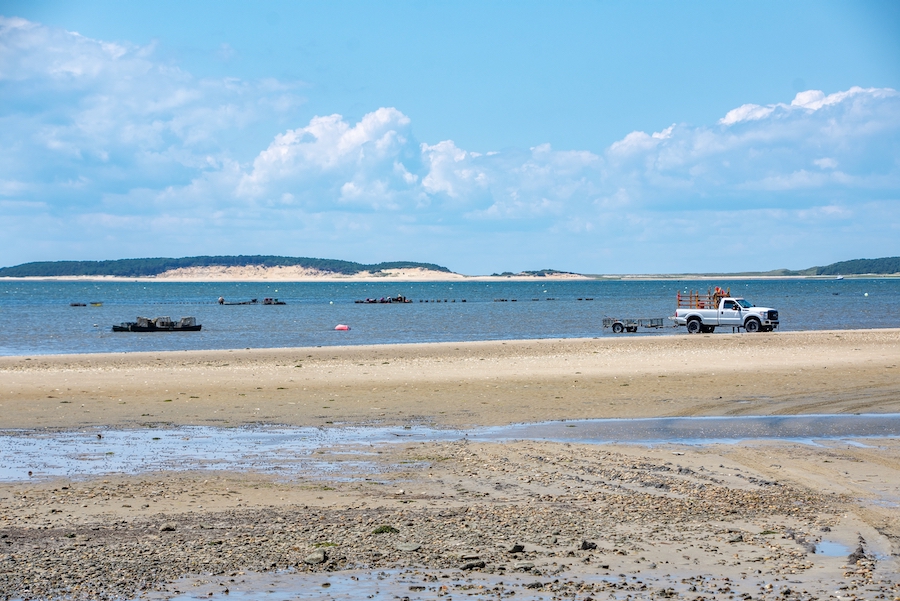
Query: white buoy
{"type": "Point", "coordinates": [866, 294]}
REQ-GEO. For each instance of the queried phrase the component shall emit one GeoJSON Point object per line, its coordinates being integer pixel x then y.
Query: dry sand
{"type": "Point", "coordinates": [685, 522]}
{"type": "Point", "coordinates": [462, 384]}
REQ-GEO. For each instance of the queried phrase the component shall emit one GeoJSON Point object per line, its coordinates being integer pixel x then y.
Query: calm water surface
{"type": "Point", "coordinates": [37, 319]}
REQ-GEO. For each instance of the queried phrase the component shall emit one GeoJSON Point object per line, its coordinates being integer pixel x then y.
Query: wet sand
{"type": "Point", "coordinates": [671, 520]}
{"type": "Point", "coordinates": [689, 522]}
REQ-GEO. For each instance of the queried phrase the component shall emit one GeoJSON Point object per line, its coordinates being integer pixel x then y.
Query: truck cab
{"type": "Point", "coordinates": [731, 312]}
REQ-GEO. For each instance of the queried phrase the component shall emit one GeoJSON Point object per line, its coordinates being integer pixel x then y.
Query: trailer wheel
{"type": "Point", "coordinates": [694, 326]}
{"type": "Point", "coordinates": [618, 328]}
{"type": "Point", "coordinates": [752, 325]}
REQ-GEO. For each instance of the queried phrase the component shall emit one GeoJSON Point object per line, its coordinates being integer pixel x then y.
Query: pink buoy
{"type": "Point", "coordinates": [341, 326]}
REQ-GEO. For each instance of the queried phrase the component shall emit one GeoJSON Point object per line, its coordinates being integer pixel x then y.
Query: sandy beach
{"type": "Point", "coordinates": [550, 520]}
{"type": "Point", "coordinates": [461, 384]}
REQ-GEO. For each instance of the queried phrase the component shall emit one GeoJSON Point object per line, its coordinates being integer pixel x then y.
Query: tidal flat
{"type": "Point", "coordinates": [462, 518]}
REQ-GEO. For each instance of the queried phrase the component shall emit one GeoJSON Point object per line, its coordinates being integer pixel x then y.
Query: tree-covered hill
{"type": "Point", "coordinates": [156, 266]}
{"type": "Point", "coordinates": [881, 266]}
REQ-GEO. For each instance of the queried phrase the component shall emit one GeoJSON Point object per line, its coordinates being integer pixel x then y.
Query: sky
{"type": "Point", "coordinates": [586, 136]}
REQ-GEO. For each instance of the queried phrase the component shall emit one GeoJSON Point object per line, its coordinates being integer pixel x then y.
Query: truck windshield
{"type": "Point", "coordinates": [744, 303]}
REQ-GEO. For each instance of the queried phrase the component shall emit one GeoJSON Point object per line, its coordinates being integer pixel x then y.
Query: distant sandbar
{"type": "Point", "coordinates": [296, 273]}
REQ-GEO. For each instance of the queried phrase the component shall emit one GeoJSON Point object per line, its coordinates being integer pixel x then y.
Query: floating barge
{"type": "Point", "coordinates": [222, 301]}
{"type": "Point", "coordinates": [384, 300]}
{"type": "Point", "coordinates": [252, 301]}
{"type": "Point", "coordinates": [160, 324]}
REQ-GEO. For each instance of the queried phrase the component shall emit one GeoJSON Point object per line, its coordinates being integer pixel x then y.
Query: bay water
{"type": "Point", "coordinates": [37, 318]}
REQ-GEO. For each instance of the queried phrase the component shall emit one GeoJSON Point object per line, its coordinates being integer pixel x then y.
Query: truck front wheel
{"type": "Point", "coordinates": [618, 328]}
{"type": "Point", "coordinates": [694, 326]}
{"type": "Point", "coordinates": [752, 325]}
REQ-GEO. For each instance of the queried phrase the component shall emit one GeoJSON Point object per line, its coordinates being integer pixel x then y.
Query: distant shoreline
{"type": "Point", "coordinates": [261, 268]}
{"type": "Point", "coordinates": [427, 277]}
{"type": "Point", "coordinates": [738, 276]}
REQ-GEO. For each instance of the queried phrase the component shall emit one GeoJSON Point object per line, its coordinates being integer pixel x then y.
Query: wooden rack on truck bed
{"type": "Point", "coordinates": [631, 325]}
{"type": "Point", "coordinates": [695, 300]}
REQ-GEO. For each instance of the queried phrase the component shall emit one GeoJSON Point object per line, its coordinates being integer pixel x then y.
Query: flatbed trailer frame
{"type": "Point", "coordinates": [631, 325]}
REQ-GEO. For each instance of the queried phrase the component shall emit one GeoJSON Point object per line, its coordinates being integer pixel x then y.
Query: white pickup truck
{"type": "Point", "coordinates": [703, 314]}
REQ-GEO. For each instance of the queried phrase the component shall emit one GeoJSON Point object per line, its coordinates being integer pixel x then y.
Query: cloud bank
{"type": "Point", "coordinates": [107, 152]}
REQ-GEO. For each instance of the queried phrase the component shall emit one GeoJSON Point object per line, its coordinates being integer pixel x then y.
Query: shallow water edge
{"type": "Point", "coordinates": [284, 450]}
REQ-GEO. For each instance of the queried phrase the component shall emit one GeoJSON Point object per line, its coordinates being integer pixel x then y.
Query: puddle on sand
{"type": "Point", "coordinates": [419, 584]}
{"type": "Point", "coordinates": [290, 450]}
{"type": "Point", "coordinates": [704, 430]}
{"type": "Point", "coordinates": [283, 450]}
{"type": "Point", "coordinates": [832, 549]}
{"type": "Point", "coordinates": [353, 584]}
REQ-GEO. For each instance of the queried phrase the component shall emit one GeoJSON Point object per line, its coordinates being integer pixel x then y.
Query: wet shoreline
{"type": "Point", "coordinates": [285, 450]}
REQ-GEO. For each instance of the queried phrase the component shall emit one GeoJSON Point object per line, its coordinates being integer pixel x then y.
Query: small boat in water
{"type": "Point", "coordinates": [222, 301]}
{"type": "Point", "coordinates": [273, 301]}
{"type": "Point", "coordinates": [160, 324]}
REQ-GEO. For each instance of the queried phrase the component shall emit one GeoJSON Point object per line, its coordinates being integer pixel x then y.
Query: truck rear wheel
{"type": "Point", "coordinates": [694, 326]}
{"type": "Point", "coordinates": [752, 325]}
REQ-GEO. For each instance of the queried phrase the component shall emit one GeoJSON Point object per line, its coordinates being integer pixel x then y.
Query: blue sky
{"type": "Point", "coordinates": [598, 137]}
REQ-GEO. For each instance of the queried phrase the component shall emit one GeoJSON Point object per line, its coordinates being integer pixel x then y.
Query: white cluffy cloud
{"type": "Point", "coordinates": [103, 112]}
{"type": "Point", "coordinates": [810, 100]}
{"type": "Point", "coordinates": [136, 151]}
{"type": "Point", "coordinates": [329, 160]}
